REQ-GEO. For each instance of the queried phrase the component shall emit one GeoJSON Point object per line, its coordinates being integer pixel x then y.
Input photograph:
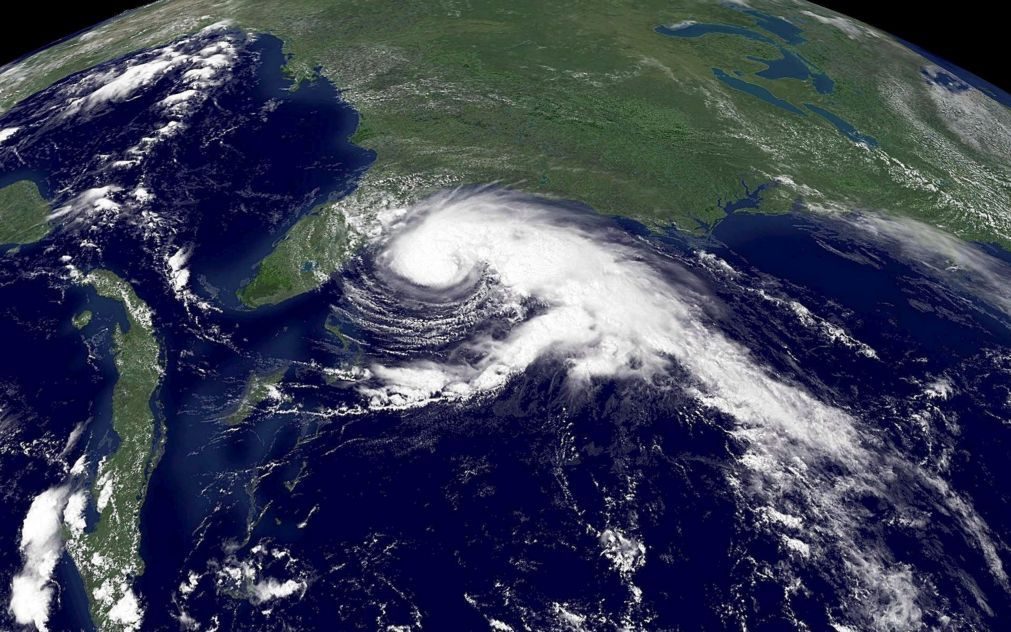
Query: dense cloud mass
{"type": "Point", "coordinates": [41, 545]}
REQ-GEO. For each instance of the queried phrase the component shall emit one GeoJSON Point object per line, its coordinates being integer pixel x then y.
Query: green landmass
{"type": "Point", "coordinates": [108, 556]}
{"type": "Point", "coordinates": [335, 329]}
{"type": "Point", "coordinates": [303, 259]}
{"type": "Point", "coordinates": [584, 101]}
{"type": "Point", "coordinates": [23, 213]}
{"type": "Point", "coordinates": [82, 319]}
{"type": "Point", "coordinates": [259, 389]}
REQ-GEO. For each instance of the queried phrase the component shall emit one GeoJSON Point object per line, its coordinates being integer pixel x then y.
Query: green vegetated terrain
{"type": "Point", "coordinates": [23, 213]}
{"type": "Point", "coordinates": [585, 101]}
{"type": "Point", "coordinates": [83, 319]}
{"type": "Point", "coordinates": [108, 556]}
{"type": "Point", "coordinates": [304, 258]}
{"type": "Point", "coordinates": [259, 389]}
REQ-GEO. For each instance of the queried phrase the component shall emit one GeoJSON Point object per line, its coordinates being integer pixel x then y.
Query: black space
{"type": "Point", "coordinates": [970, 34]}
{"type": "Point", "coordinates": [39, 24]}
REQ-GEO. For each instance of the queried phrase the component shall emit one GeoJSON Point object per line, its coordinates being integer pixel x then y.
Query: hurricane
{"type": "Point", "coordinates": [602, 305]}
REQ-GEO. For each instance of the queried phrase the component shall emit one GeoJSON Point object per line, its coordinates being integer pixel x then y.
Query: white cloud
{"type": "Point", "coordinates": [625, 553]}
{"type": "Point", "coordinates": [41, 547]}
{"type": "Point", "coordinates": [73, 514]}
{"type": "Point", "coordinates": [106, 485]}
{"type": "Point", "coordinates": [830, 331]}
{"type": "Point", "coordinates": [7, 133]}
{"type": "Point", "coordinates": [607, 313]}
{"type": "Point", "coordinates": [203, 69]}
{"type": "Point", "coordinates": [178, 273]}
{"type": "Point", "coordinates": [852, 29]}
{"type": "Point", "coordinates": [949, 259]}
{"type": "Point", "coordinates": [94, 200]}
{"type": "Point", "coordinates": [977, 119]}
{"type": "Point", "coordinates": [246, 579]}
{"type": "Point", "coordinates": [180, 97]}
{"type": "Point", "coordinates": [129, 81]}
{"type": "Point", "coordinates": [270, 588]}
{"type": "Point", "coordinates": [126, 611]}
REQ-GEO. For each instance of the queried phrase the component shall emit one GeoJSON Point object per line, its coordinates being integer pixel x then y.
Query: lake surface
{"type": "Point", "coordinates": [790, 65]}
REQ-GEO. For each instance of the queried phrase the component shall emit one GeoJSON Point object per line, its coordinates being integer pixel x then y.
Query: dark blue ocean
{"type": "Point", "coordinates": [450, 515]}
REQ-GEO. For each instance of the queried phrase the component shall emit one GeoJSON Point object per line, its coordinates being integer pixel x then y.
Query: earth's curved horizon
{"type": "Point", "coordinates": [645, 316]}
